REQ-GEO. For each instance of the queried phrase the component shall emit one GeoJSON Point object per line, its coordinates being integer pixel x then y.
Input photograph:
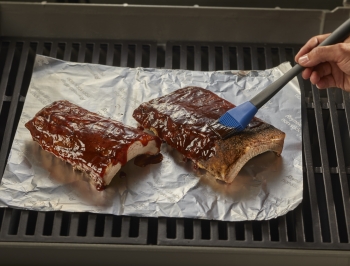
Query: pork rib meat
{"type": "Point", "coordinates": [91, 143]}
{"type": "Point", "coordinates": [181, 119]}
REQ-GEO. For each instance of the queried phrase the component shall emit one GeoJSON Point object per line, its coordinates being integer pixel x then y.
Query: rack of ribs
{"type": "Point", "coordinates": [91, 143]}
{"type": "Point", "coordinates": [181, 119]}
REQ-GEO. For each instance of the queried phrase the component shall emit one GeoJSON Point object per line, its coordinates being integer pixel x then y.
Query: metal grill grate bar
{"type": "Point", "coordinates": [153, 55]}
{"type": "Point", "coordinates": [74, 224]}
{"type": "Point", "coordinates": [108, 226]}
{"type": "Point", "coordinates": [39, 227]}
{"type": "Point", "coordinates": [180, 229]}
{"type": "Point", "coordinates": [240, 58]}
{"type": "Point", "coordinates": [330, 224]}
{"type": "Point", "coordinates": [310, 170]}
{"type": "Point", "coordinates": [231, 232]}
{"type": "Point", "coordinates": [183, 57]}
{"type": "Point", "coordinates": [142, 237]}
{"type": "Point", "coordinates": [81, 54]}
{"type": "Point", "coordinates": [299, 226]}
{"type": "Point", "coordinates": [57, 224]}
{"type": "Point", "coordinates": [212, 58]}
{"type": "Point", "coordinates": [168, 57]}
{"type": "Point", "coordinates": [67, 51]}
{"type": "Point", "coordinates": [124, 56]}
{"type": "Point", "coordinates": [254, 52]}
{"type": "Point", "coordinates": [110, 54]}
{"type": "Point", "coordinates": [96, 53]}
{"type": "Point", "coordinates": [282, 55]}
{"type": "Point", "coordinates": [264, 224]}
{"type": "Point", "coordinates": [6, 219]}
{"type": "Point", "coordinates": [268, 57]}
{"type": "Point", "coordinates": [346, 101]}
{"type": "Point", "coordinates": [6, 74]}
{"type": "Point", "coordinates": [265, 231]}
{"type": "Point", "coordinates": [282, 224]}
{"type": "Point", "coordinates": [197, 232]}
{"type": "Point", "coordinates": [162, 230]}
{"type": "Point", "coordinates": [53, 51]}
{"type": "Point", "coordinates": [226, 57]}
{"type": "Point", "coordinates": [13, 107]}
{"type": "Point", "coordinates": [3, 85]}
{"type": "Point", "coordinates": [23, 223]}
{"type": "Point", "coordinates": [197, 58]}
{"type": "Point", "coordinates": [138, 57]}
{"type": "Point", "coordinates": [282, 228]}
{"type": "Point", "coordinates": [39, 48]}
{"type": "Point", "coordinates": [214, 231]}
{"type": "Point", "coordinates": [91, 224]}
{"type": "Point", "coordinates": [340, 159]}
{"type": "Point", "coordinates": [125, 227]}
{"type": "Point", "coordinates": [248, 231]}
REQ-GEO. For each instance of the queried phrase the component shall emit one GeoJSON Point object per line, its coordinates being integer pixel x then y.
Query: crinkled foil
{"type": "Point", "coordinates": [268, 186]}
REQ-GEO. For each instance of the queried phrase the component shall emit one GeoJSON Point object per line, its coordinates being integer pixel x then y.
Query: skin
{"type": "Point", "coordinates": [327, 66]}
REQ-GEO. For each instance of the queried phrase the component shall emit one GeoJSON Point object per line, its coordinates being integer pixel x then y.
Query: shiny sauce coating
{"type": "Point", "coordinates": [88, 141]}
{"type": "Point", "coordinates": [181, 119]}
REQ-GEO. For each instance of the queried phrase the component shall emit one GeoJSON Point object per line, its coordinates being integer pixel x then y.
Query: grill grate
{"type": "Point", "coordinates": [320, 222]}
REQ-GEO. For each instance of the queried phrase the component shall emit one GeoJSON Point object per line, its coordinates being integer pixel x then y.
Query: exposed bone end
{"type": "Point", "coordinates": [271, 139]}
{"type": "Point", "coordinates": [134, 150]}
{"type": "Point", "coordinates": [234, 170]}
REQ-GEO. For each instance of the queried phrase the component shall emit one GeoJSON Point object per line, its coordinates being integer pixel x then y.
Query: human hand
{"type": "Point", "coordinates": [326, 66]}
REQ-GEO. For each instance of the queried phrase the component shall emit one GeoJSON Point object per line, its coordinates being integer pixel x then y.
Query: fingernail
{"type": "Point", "coordinates": [303, 59]}
{"type": "Point", "coordinates": [317, 86]}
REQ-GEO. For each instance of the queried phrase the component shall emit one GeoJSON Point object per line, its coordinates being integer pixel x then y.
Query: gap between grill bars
{"type": "Point", "coordinates": [320, 222]}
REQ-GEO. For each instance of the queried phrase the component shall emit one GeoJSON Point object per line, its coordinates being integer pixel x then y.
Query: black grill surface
{"type": "Point", "coordinates": [321, 221]}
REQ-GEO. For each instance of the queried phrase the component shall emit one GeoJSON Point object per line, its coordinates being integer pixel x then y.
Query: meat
{"type": "Point", "coordinates": [89, 142]}
{"type": "Point", "coordinates": [181, 119]}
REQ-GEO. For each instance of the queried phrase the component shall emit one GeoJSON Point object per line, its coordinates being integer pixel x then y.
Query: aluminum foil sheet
{"type": "Point", "coordinates": [268, 186]}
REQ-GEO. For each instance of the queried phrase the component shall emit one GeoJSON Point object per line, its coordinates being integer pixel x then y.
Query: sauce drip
{"type": "Point", "coordinates": [146, 159]}
{"type": "Point", "coordinates": [254, 124]}
{"type": "Point", "coordinates": [181, 119]}
{"type": "Point", "coordinates": [122, 174]}
{"type": "Point", "coordinates": [100, 187]}
{"type": "Point", "coordinates": [139, 127]}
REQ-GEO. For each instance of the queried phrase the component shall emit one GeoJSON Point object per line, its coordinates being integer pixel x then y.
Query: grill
{"type": "Point", "coordinates": [321, 222]}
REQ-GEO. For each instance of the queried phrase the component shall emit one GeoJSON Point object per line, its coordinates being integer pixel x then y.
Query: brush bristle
{"type": "Point", "coordinates": [228, 121]}
{"type": "Point", "coordinates": [222, 131]}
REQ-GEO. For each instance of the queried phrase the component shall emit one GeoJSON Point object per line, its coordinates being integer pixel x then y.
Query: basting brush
{"type": "Point", "coordinates": [238, 118]}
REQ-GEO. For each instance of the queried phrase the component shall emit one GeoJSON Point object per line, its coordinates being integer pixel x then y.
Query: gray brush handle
{"type": "Point", "coordinates": [339, 35]}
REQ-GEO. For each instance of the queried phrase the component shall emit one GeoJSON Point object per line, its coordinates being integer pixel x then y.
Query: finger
{"type": "Point", "coordinates": [312, 43]}
{"type": "Point", "coordinates": [332, 53]}
{"type": "Point", "coordinates": [347, 40]}
{"type": "Point", "coordinates": [307, 73]}
{"type": "Point", "coordinates": [320, 71]}
{"type": "Point", "coordinates": [326, 82]}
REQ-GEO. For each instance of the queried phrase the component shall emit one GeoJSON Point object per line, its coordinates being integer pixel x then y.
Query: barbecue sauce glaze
{"type": "Point", "coordinates": [146, 159]}
{"type": "Point", "coordinates": [86, 140]}
{"type": "Point", "coordinates": [181, 119]}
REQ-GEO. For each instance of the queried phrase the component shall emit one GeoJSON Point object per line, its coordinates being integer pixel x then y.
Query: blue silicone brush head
{"type": "Point", "coordinates": [229, 121]}
{"type": "Point", "coordinates": [234, 120]}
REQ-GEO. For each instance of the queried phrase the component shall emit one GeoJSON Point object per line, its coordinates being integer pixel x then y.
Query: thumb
{"type": "Point", "coordinates": [333, 53]}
